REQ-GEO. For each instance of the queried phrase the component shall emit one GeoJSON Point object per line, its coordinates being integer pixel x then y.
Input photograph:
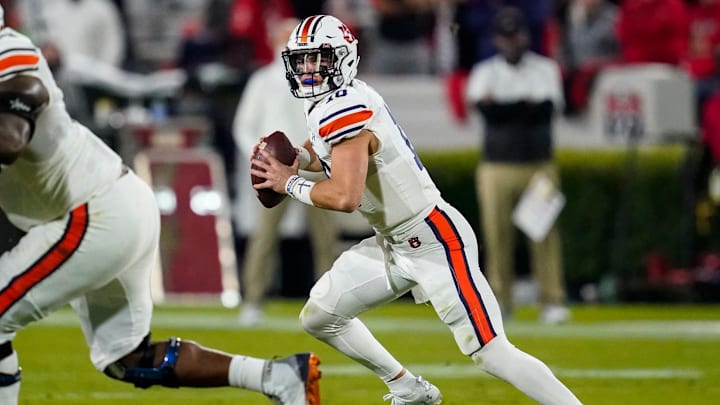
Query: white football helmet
{"type": "Point", "coordinates": [321, 57]}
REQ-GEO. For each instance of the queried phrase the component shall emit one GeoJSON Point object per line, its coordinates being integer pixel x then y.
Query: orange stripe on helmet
{"type": "Point", "coordinates": [448, 236]}
{"type": "Point", "coordinates": [19, 60]}
{"type": "Point", "coordinates": [49, 262]}
{"type": "Point", "coordinates": [305, 31]}
{"type": "Point", "coordinates": [342, 122]}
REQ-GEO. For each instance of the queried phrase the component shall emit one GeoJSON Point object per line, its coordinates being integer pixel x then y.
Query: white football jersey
{"type": "Point", "coordinates": [64, 164]}
{"type": "Point", "coordinates": [398, 187]}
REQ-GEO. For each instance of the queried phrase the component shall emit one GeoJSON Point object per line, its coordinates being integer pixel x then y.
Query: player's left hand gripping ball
{"type": "Point", "coordinates": [278, 146]}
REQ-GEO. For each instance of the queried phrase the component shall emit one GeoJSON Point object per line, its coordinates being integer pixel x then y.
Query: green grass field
{"type": "Point", "coordinates": [609, 355]}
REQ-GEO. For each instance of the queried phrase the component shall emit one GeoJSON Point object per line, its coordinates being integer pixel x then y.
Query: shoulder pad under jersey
{"type": "Point", "coordinates": [343, 115]}
{"type": "Point", "coordinates": [17, 54]}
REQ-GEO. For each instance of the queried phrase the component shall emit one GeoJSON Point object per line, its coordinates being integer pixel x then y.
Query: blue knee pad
{"type": "Point", "coordinates": [145, 375]}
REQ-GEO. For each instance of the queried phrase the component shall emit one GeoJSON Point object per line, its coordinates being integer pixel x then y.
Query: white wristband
{"type": "Point", "coordinates": [303, 157]}
{"type": "Point", "coordinates": [299, 188]}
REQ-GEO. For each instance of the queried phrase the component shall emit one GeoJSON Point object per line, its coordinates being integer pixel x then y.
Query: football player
{"type": "Point", "coordinates": [422, 243]}
{"type": "Point", "coordinates": [91, 240]}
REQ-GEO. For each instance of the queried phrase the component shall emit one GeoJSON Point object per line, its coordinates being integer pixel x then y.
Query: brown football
{"type": "Point", "coordinates": [279, 146]}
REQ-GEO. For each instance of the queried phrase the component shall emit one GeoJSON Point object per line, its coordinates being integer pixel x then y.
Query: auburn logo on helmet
{"type": "Point", "coordinates": [349, 37]}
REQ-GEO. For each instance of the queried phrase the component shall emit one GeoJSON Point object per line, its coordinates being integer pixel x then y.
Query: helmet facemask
{"type": "Point", "coordinates": [313, 73]}
{"type": "Point", "coordinates": [321, 57]}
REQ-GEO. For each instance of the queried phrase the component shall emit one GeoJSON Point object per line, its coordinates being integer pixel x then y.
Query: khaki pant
{"type": "Point", "coordinates": [262, 249]}
{"type": "Point", "coordinates": [499, 187]}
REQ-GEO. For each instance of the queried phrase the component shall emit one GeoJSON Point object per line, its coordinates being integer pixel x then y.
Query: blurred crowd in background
{"type": "Point", "coordinates": [218, 43]}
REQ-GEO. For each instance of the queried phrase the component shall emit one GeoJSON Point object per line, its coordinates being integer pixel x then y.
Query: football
{"type": "Point", "coordinates": [279, 146]}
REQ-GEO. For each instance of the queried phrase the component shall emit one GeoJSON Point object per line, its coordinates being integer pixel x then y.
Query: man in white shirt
{"type": "Point", "coordinates": [517, 93]}
{"type": "Point", "coordinates": [76, 36]}
{"type": "Point", "coordinates": [89, 28]}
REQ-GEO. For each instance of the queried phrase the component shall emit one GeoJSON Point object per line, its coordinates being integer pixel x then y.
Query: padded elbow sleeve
{"type": "Point", "coordinates": [24, 96]}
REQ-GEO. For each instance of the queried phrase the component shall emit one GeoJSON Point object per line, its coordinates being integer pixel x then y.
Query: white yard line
{"type": "Point", "coordinates": [469, 370]}
{"type": "Point", "coordinates": [436, 371]}
{"type": "Point", "coordinates": [658, 330]}
{"type": "Point", "coordinates": [176, 396]}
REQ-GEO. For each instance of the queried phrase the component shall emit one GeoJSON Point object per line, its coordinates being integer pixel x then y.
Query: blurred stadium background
{"type": "Point", "coordinates": [640, 229]}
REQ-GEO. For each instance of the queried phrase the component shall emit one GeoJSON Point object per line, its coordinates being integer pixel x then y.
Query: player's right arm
{"type": "Point", "coordinates": [343, 191]}
{"type": "Point", "coordinates": [22, 98]}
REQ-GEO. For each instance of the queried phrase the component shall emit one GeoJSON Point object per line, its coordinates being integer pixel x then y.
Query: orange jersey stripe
{"type": "Point", "coordinates": [460, 268]}
{"type": "Point", "coordinates": [342, 122]}
{"type": "Point", "coordinates": [306, 29]}
{"type": "Point", "coordinates": [51, 261]}
{"type": "Point", "coordinates": [27, 59]}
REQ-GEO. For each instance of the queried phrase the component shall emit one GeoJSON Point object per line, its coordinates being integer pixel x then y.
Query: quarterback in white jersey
{"type": "Point", "coordinates": [422, 244]}
{"type": "Point", "coordinates": [397, 186]}
{"type": "Point", "coordinates": [91, 239]}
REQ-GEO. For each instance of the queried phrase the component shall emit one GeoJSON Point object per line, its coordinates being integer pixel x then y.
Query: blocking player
{"type": "Point", "coordinates": [91, 239]}
{"type": "Point", "coordinates": [422, 243]}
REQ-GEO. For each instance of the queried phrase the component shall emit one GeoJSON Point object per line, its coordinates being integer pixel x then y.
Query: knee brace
{"type": "Point", "coordinates": [144, 375]}
{"type": "Point", "coordinates": [6, 379]}
{"type": "Point", "coordinates": [319, 323]}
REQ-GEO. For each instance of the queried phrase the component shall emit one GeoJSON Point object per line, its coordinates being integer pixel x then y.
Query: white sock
{"type": "Point", "coordinates": [352, 338]}
{"type": "Point", "coordinates": [526, 373]}
{"type": "Point", "coordinates": [402, 385]}
{"type": "Point", "coordinates": [246, 372]}
{"type": "Point", "coordinates": [9, 394]}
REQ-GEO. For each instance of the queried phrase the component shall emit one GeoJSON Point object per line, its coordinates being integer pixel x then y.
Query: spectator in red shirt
{"type": "Point", "coordinates": [249, 20]}
{"type": "Point", "coordinates": [653, 31]}
{"type": "Point", "coordinates": [704, 41]}
{"type": "Point", "coordinates": [704, 38]}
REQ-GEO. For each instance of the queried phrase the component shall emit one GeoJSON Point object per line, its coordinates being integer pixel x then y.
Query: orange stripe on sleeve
{"type": "Point", "coordinates": [19, 60]}
{"type": "Point", "coordinates": [342, 122]}
{"type": "Point", "coordinates": [459, 266]}
{"type": "Point", "coordinates": [51, 261]}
